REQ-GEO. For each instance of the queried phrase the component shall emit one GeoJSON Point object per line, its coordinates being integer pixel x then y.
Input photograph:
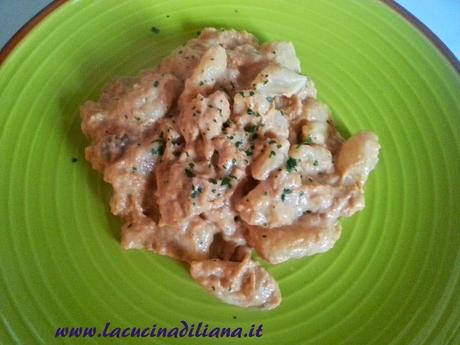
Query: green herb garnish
{"type": "Point", "coordinates": [286, 191]}
{"type": "Point", "coordinates": [159, 149]}
{"type": "Point", "coordinates": [251, 128]}
{"type": "Point", "coordinates": [309, 141]}
{"type": "Point", "coordinates": [226, 182]}
{"type": "Point", "coordinates": [291, 164]}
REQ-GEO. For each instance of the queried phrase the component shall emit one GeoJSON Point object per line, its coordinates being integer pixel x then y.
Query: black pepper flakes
{"type": "Point", "coordinates": [196, 191]}
{"type": "Point", "coordinates": [189, 173]}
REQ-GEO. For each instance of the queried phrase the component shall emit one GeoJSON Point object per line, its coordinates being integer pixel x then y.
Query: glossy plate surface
{"type": "Point", "coordinates": [393, 278]}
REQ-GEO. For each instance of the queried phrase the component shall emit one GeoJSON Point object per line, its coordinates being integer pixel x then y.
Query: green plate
{"type": "Point", "coordinates": [393, 278]}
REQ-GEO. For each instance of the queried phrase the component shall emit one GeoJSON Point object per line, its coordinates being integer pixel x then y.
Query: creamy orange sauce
{"type": "Point", "coordinates": [223, 149]}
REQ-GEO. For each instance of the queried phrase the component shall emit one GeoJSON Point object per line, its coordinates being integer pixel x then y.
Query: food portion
{"type": "Point", "coordinates": [223, 149]}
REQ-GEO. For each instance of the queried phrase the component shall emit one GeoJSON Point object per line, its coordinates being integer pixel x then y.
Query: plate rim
{"type": "Point", "coordinates": [49, 9]}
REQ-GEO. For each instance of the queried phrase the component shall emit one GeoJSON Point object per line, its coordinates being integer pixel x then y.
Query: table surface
{"type": "Point", "coordinates": [441, 16]}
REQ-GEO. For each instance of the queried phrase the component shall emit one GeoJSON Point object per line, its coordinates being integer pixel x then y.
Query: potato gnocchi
{"type": "Point", "coordinates": [223, 149]}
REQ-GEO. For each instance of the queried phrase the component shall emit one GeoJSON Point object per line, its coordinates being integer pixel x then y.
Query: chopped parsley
{"type": "Point", "coordinates": [309, 141]}
{"type": "Point", "coordinates": [250, 128]}
{"type": "Point", "coordinates": [291, 164]}
{"type": "Point", "coordinates": [242, 93]}
{"type": "Point", "coordinates": [272, 142]}
{"type": "Point", "coordinates": [251, 93]}
{"type": "Point", "coordinates": [315, 163]}
{"type": "Point", "coordinates": [238, 143]}
{"type": "Point", "coordinates": [156, 83]}
{"type": "Point", "coordinates": [248, 152]}
{"type": "Point", "coordinates": [213, 180]}
{"type": "Point", "coordinates": [272, 154]}
{"type": "Point", "coordinates": [250, 112]}
{"type": "Point", "coordinates": [286, 191]}
{"type": "Point", "coordinates": [189, 173]}
{"type": "Point", "coordinates": [159, 149]}
{"type": "Point", "coordinates": [201, 83]}
{"type": "Point", "coordinates": [196, 191]}
{"type": "Point", "coordinates": [226, 182]}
